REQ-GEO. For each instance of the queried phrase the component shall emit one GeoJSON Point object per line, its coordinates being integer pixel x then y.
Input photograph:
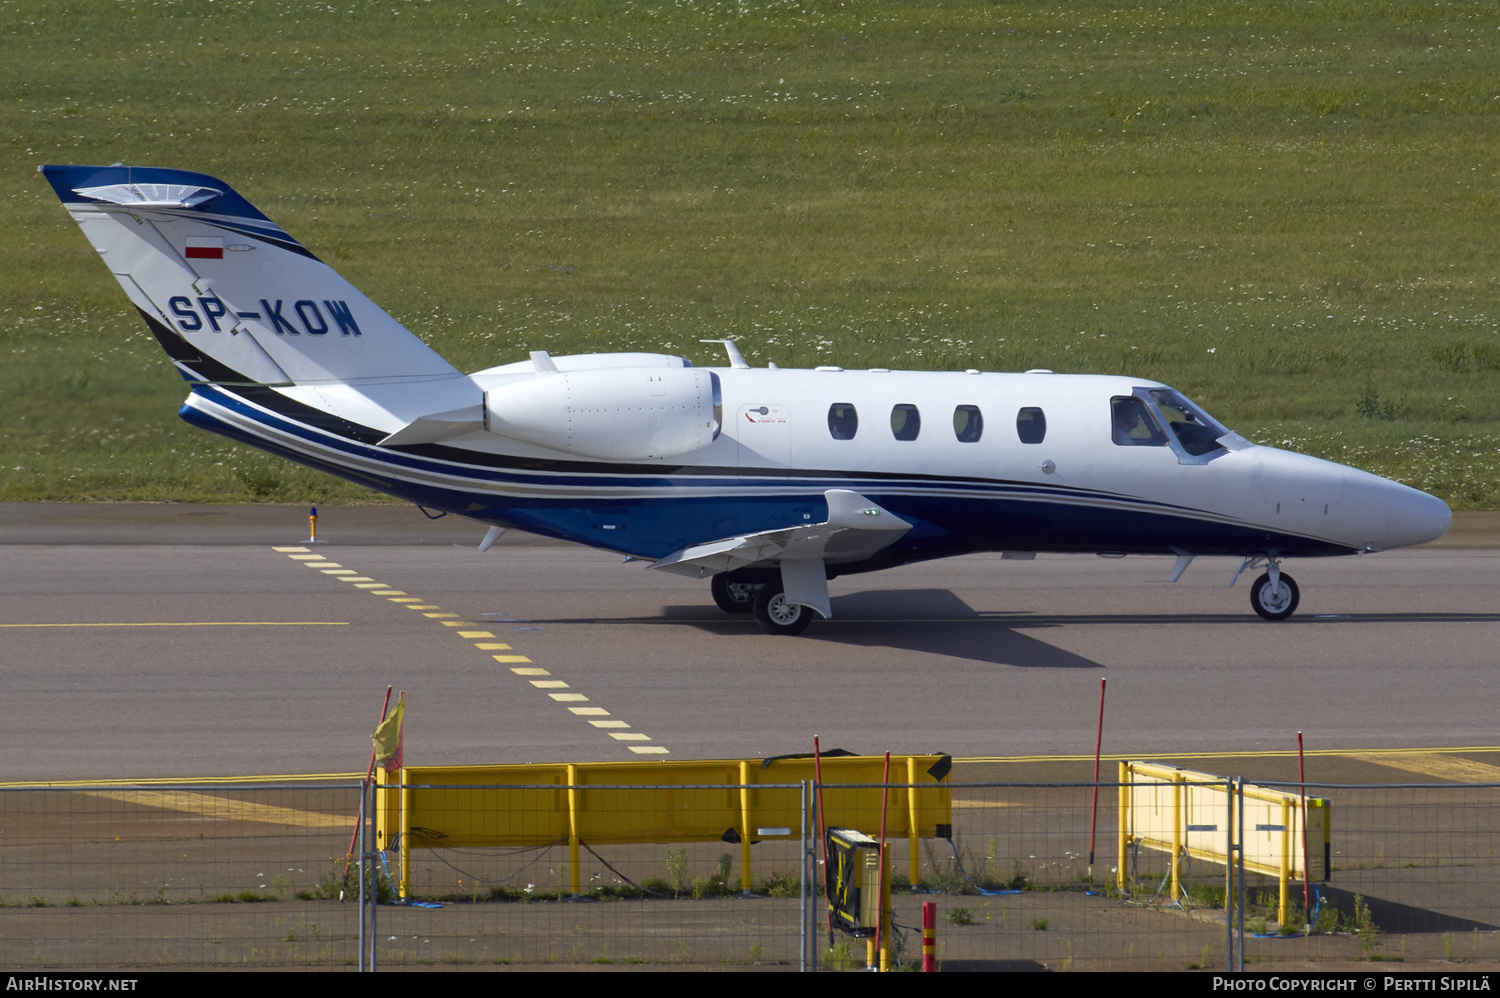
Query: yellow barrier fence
{"type": "Point", "coordinates": [606, 803]}
{"type": "Point", "coordinates": [1185, 813]}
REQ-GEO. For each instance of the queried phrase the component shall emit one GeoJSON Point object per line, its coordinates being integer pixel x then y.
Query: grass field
{"type": "Point", "coordinates": [1283, 209]}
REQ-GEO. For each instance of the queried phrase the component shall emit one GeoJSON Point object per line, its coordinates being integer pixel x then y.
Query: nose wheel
{"type": "Point", "coordinates": [1275, 599]}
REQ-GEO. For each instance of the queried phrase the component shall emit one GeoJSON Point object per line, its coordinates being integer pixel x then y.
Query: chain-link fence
{"type": "Point", "coordinates": [253, 876]}
{"type": "Point", "coordinates": [176, 876]}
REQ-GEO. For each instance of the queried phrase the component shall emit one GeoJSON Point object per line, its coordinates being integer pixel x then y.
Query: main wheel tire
{"type": "Point", "coordinates": [733, 597]}
{"type": "Point", "coordinates": [1275, 602]}
{"type": "Point", "coordinates": [778, 616]}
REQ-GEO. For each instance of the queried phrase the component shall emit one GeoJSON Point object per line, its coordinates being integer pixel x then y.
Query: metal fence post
{"type": "Point", "coordinates": [367, 889]}
{"type": "Point", "coordinates": [815, 820]}
{"type": "Point", "coordinates": [1230, 847]}
{"type": "Point", "coordinates": [1239, 806]}
{"type": "Point", "coordinates": [805, 943]}
{"type": "Point", "coordinates": [360, 842]}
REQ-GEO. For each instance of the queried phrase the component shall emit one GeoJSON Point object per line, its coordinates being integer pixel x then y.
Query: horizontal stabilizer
{"type": "Point", "coordinates": [438, 426]}
{"type": "Point", "coordinates": [855, 529]}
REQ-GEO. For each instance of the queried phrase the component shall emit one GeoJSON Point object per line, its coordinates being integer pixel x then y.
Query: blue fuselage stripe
{"type": "Point", "coordinates": [654, 515]}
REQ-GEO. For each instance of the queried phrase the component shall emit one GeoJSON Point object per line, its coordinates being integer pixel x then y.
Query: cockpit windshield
{"type": "Point", "coordinates": [1196, 430]}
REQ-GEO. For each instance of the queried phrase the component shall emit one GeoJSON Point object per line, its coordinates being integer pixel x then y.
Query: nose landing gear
{"type": "Point", "coordinates": [1275, 594]}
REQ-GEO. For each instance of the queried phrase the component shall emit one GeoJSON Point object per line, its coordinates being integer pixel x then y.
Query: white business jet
{"type": "Point", "coordinates": [767, 482]}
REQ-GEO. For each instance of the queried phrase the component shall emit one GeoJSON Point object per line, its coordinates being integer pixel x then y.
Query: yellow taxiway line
{"type": "Point", "coordinates": [1367, 755]}
{"type": "Point", "coordinates": [203, 623]}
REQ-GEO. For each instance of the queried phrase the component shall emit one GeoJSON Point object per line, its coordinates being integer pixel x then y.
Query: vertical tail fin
{"type": "Point", "coordinates": [231, 296]}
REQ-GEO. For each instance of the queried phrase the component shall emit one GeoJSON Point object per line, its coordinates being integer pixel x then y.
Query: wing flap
{"type": "Point", "coordinates": [855, 529]}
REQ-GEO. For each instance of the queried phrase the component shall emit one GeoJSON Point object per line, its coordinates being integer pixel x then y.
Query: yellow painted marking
{"type": "Point", "coordinates": [531, 672]}
{"type": "Point", "coordinates": [204, 623]}
{"type": "Point", "coordinates": [289, 550]}
{"type": "Point", "coordinates": [475, 634]}
{"type": "Point", "coordinates": [404, 599]}
{"type": "Point", "coordinates": [629, 736]}
{"type": "Point", "coordinates": [420, 606]}
{"type": "Point", "coordinates": [569, 697]}
{"type": "Point", "coordinates": [456, 623]}
{"type": "Point", "coordinates": [589, 711]}
{"type": "Point", "coordinates": [385, 592]}
{"type": "Point", "coordinates": [1246, 754]}
{"type": "Point", "coordinates": [1432, 764]}
{"type": "Point", "coordinates": [362, 578]}
{"type": "Point", "coordinates": [435, 616]}
{"type": "Point", "coordinates": [649, 750]}
{"type": "Point", "coordinates": [510, 658]}
{"type": "Point", "coordinates": [210, 806]}
{"type": "Point", "coordinates": [549, 684]}
{"type": "Point", "coordinates": [306, 557]}
{"type": "Point", "coordinates": [491, 645]}
{"type": "Point", "coordinates": [322, 564]}
{"type": "Point", "coordinates": [339, 571]}
{"type": "Point", "coordinates": [370, 585]}
{"type": "Point", "coordinates": [202, 780]}
{"type": "Point", "coordinates": [609, 724]}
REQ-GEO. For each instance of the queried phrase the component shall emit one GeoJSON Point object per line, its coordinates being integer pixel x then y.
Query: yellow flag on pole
{"type": "Point", "coordinates": [387, 737]}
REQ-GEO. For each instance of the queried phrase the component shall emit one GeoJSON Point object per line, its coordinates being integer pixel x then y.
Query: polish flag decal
{"type": "Point", "coordinates": [205, 248]}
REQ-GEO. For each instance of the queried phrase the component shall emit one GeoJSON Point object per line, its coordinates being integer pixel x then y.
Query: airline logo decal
{"type": "Point", "coordinates": [287, 320]}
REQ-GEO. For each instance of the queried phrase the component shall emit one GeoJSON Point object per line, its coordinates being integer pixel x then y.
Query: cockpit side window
{"type": "Point", "coordinates": [843, 421]}
{"type": "Point", "coordinates": [1194, 428]}
{"type": "Point", "coordinates": [1031, 425]}
{"type": "Point", "coordinates": [1133, 424]}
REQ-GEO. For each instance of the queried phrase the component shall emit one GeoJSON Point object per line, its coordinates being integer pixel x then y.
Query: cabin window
{"type": "Point", "coordinates": [906, 422]}
{"type": "Point", "coordinates": [1133, 424]}
{"type": "Point", "coordinates": [843, 421]}
{"type": "Point", "coordinates": [1031, 425]}
{"type": "Point", "coordinates": [968, 424]}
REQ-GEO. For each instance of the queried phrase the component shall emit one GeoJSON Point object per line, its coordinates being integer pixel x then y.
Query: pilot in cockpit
{"type": "Point", "coordinates": [1133, 425]}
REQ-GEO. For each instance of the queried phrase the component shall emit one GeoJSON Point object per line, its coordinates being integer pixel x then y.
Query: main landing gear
{"type": "Point", "coordinates": [767, 600]}
{"type": "Point", "coordinates": [776, 615]}
{"type": "Point", "coordinates": [1275, 594]}
{"type": "Point", "coordinates": [733, 597]}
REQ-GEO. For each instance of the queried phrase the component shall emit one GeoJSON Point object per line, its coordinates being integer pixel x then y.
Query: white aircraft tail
{"type": "Point", "coordinates": [231, 296]}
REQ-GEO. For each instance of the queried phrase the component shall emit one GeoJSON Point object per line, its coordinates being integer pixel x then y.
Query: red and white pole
{"type": "Point", "coordinates": [929, 937]}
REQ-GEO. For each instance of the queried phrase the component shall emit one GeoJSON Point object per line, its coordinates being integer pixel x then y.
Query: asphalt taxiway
{"type": "Point", "coordinates": [147, 641]}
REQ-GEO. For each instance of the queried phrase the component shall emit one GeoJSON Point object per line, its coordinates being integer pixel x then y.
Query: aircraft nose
{"type": "Point", "coordinates": [1411, 516]}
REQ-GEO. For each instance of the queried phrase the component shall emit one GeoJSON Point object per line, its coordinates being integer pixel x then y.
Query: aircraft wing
{"type": "Point", "coordinates": [855, 529]}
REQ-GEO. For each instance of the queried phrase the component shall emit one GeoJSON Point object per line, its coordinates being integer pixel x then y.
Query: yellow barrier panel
{"type": "Point", "coordinates": [611, 803]}
{"type": "Point", "coordinates": [1172, 810]}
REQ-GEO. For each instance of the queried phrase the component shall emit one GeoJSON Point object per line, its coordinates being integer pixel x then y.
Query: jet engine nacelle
{"type": "Point", "coordinates": [619, 414]}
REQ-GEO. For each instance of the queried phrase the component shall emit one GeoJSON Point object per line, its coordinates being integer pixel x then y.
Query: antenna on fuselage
{"type": "Point", "coordinates": [736, 359]}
